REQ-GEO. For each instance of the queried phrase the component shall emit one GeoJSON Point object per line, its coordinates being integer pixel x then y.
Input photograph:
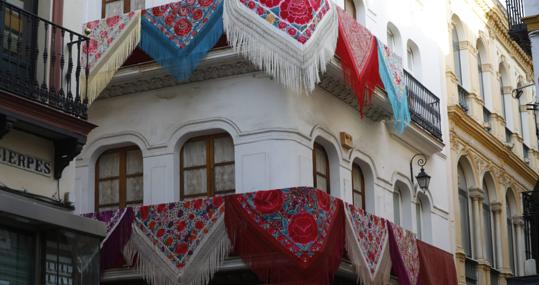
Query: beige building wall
{"type": "Point", "coordinates": [493, 139]}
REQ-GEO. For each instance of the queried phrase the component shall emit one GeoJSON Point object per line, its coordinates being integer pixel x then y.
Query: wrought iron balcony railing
{"type": "Point", "coordinates": [463, 94]}
{"type": "Point", "coordinates": [41, 61]}
{"type": "Point", "coordinates": [517, 28]}
{"type": "Point", "coordinates": [424, 106]}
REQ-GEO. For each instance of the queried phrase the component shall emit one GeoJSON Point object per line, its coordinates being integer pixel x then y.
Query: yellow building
{"type": "Point", "coordinates": [493, 141]}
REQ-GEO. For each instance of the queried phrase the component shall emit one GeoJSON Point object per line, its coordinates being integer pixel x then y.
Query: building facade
{"type": "Point", "coordinates": [43, 127]}
{"type": "Point", "coordinates": [493, 139]}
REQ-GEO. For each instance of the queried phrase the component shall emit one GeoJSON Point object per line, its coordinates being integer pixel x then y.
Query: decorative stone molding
{"type": "Point", "coordinates": [518, 221]}
{"type": "Point", "coordinates": [496, 207]}
{"type": "Point", "coordinates": [476, 193]}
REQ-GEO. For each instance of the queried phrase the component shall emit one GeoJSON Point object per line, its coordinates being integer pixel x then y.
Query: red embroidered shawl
{"type": "Point", "coordinates": [292, 236]}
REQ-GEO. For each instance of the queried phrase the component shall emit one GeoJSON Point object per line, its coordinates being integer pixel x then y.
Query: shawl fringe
{"type": "Point", "coordinates": [113, 244]}
{"type": "Point", "coordinates": [181, 63]}
{"type": "Point", "coordinates": [156, 269]}
{"type": "Point", "coordinates": [383, 272]}
{"type": "Point", "coordinates": [109, 63]}
{"type": "Point", "coordinates": [290, 63]}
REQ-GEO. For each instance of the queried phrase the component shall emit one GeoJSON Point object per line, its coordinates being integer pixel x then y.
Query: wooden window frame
{"type": "Point", "coordinates": [127, 6]}
{"type": "Point", "coordinates": [209, 166]}
{"type": "Point", "coordinates": [361, 190]}
{"type": "Point", "coordinates": [122, 178]}
{"type": "Point", "coordinates": [315, 172]}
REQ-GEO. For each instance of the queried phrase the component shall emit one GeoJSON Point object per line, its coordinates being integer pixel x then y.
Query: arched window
{"type": "Point", "coordinates": [456, 54]}
{"type": "Point", "coordinates": [510, 233]}
{"type": "Point", "coordinates": [419, 218]}
{"type": "Point", "coordinates": [394, 39]}
{"type": "Point", "coordinates": [397, 203]}
{"type": "Point", "coordinates": [118, 176]}
{"type": "Point", "coordinates": [111, 8]}
{"type": "Point", "coordinates": [350, 8]}
{"type": "Point", "coordinates": [321, 168]}
{"type": "Point", "coordinates": [358, 186]}
{"type": "Point", "coordinates": [464, 213]}
{"type": "Point", "coordinates": [413, 59]}
{"type": "Point", "coordinates": [487, 225]}
{"type": "Point", "coordinates": [207, 166]}
{"type": "Point", "coordinates": [480, 71]}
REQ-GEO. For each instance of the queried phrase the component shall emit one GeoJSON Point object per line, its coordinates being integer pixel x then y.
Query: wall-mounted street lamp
{"type": "Point", "coordinates": [423, 179]}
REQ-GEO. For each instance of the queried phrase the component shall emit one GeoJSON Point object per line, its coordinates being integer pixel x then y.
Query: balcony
{"type": "Point", "coordinates": [463, 95]}
{"type": "Point", "coordinates": [41, 61]}
{"type": "Point", "coordinates": [424, 106]}
{"type": "Point", "coordinates": [517, 28]}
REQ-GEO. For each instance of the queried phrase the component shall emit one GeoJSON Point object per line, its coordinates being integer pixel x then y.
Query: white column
{"type": "Point", "coordinates": [497, 210]}
{"type": "Point", "coordinates": [518, 223]}
{"type": "Point", "coordinates": [477, 204]}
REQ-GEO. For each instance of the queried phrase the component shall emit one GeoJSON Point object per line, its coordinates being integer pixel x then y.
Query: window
{"type": "Point", "coordinates": [410, 59]}
{"type": "Point", "coordinates": [17, 251]}
{"type": "Point", "coordinates": [119, 179]}
{"type": "Point", "coordinates": [207, 166]}
{"type": "Point", "coordinates": [456, 55]}
{"type": "Point", "coordinates": [118, 7]}
{"type": "Point", "coordinates": [350, 8]}
{"type": "Point", "coordinates": [321, 168]}
{"type": "Point", "coordinates": [480, 74]}
{"type": "Point", "coordinates": [466, 239]}
{"type": "Point", "coordinates": [397, 201]}
{"type": "Point", "coordinates": [358, 187]}
{"type": "Point", "coordinates": [502, 96]}
{"type": "Point", "coordinates": [510, 234]}
{"type": "Point", "coordinates": [487, 222]}
{"type": "Point", "coordinates": [419, 218]}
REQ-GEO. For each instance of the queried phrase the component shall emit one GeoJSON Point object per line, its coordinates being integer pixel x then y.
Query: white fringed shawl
{"type": "Point", "coordinates": [291, 63]}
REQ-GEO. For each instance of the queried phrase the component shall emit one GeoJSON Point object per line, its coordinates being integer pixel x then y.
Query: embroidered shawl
{"type": "Point", "coordinates": [404, 255]}
{"type": "Point", "coordinates": [357, 50]}
{"type": "Point", "coordinates": [392, 75]}
{"type": "Point", "coordinates": [367, 246]}
{"type": "Point", "coordinates": [179, 35]}
{"type": "Point", "coordinates": [179, 243]}
{"type": "Point", "coordinates": [437, 266]}
{"type": "Point", "coordinates": [118, 224]}
{"type": "Point", "coordinates": [112, 41]}
{"type": "Point", "coordinates": [292, 236]}
{"type": "Point", "coordinates": [291, 40]}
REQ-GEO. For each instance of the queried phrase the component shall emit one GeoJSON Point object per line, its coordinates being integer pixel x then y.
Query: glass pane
{"type": "Point", "coordinates": [109, 192]}
{"type": "Point", "coordinates": [358, 200]}
{"type": "Point", "coordinates": [137, 5]}
{"type": "Point", "coordinates": [418, 213]}
{"type": "Point", "coordinates": [356, 179]}
{"type": "Point", "coordinates": [194, 153]}
{"type": "Point", "coordinates": [223, 149]}
{"type": "Point", "coordinates": [510, 245]}
{"type": "Point", "coordinates": [134, 189]}
{"type": "Point", "coordinates": [16, 257]}
{"type": "Point", "coordinates": [321, 183]}
{"type": "Point", "coordinates": [114, 8]}
{"type": "Point", "coordinates": [195, 182]}
{"type": "Point", "coordinates": [109, 165]}
{"type": "Point", "coordinates": [396, 208]}
{"type": "Point", "coordinates": [321, 162]}
{"type": "Point", "coordinates": [488, 236]}
{"type": "Point", "coordinates": [134, 162]}
{"type": "Point", "coordinates": [465, 225]}
{"type": "Point", "coordinates": [224, 178]}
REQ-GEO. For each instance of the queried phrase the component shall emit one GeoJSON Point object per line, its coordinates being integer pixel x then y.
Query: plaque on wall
{"type": "Point", "coordinates": [25, 162]}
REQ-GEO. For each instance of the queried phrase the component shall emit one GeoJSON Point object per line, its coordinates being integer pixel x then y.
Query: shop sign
{"type": "Point", "coordinates": [25, 162]}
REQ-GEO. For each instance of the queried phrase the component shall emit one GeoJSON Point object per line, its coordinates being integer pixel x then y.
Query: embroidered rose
{"type": "Point", "coordinates": [270, 3]}
{"type": "Point", "coordinates": [268, 201]}
{"type": "Point", "coordinates": [181, 248]}
{"type": "Point", "coordinates": [156, 11]}
{"type": "Point", "coordinates": [144, 212]}
{"type": "Point", "coordinates": [218, 201]}
{"type": "Point", "coordinates": [197, 204]}
{"type": "Point", "coordinates": [181, 226]}
{"type": "Point", "coordinates": [169, 20]}
{"type": "Point", "coordinates": [199, 225]}
{"type": "Point", "coordinates": [112, 21]}
{"type": "Point", "coordinates": [161, 208]}
{"type": "Point", "coordinates": [303, 228]}
{"type": "Point", "coordinates": [315, 4]}
{"type": "Point", "coordinates": [183, 27]}
{"type": "Point", "coordinates": [205, 3]}
{"type": "Point", "coordinates": [92, 25]}
{"type": "Point", "coordinates": [323, 200]}
{"type": "Point", "coordinates": [296, 11]}
{"type": "Point", "coordinates": [160, 232]}
{"type": "Point", "coordinates": [197, 14]}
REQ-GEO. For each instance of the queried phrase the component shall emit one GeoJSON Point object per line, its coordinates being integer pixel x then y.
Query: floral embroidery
{"type": "Point", "coordinates": [181, 21]}
{"type": "Point", "coordinates": [299, 219]}
{"type": "Point", "coordinates": [407, 245]}
{"type": "Point", "coordinates": [394, 64]}
{"type": "Point", "coordinates": [102, 35]}
{"type": "Point", "coordinates": [177, 229]}
{"type": "Point", "coordinates": [371, 232]}
{"type": "Point", "coordinates": [298, 18]}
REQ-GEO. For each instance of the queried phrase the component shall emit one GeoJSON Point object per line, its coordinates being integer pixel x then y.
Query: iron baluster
{"type": "Point", "coordinates": [61, 94]}
{"type": "Point", "coordinates": [44, 93]}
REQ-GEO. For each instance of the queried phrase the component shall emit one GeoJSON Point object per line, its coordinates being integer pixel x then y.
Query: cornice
{"type": "Point", "coordinates": [460, 119]}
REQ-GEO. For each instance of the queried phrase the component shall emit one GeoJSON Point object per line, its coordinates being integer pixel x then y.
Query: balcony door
{"type": "Point", "coordinates": [18, 38]}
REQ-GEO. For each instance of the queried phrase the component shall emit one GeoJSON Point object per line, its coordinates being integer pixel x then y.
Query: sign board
{"type": "Point", "coordinates": [25, 162]}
